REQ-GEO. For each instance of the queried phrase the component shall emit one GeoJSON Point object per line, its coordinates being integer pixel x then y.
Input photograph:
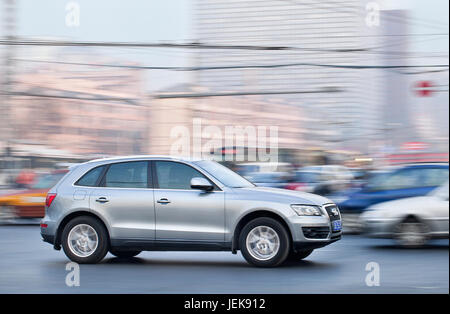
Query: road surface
{"type": "Point", "coordinates": [28, 265]}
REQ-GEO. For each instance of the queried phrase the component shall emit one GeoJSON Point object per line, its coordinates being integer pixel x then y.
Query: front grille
{"type": "Point", "coordinates": [316, 232]}
{"type": "Point", "coordinates": [333, 212]}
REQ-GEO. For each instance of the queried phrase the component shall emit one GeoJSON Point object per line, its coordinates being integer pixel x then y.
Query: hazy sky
{"type": "Point", "coordinates": [108, 20]}
{"type": "Point", "coordinates": [155, 20]}
{"type": "Point", "coordinates": [172, 20]}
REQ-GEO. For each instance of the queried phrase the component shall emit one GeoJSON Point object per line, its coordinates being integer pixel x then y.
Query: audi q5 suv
{"type": "Point", "coordinates": [150, 203]}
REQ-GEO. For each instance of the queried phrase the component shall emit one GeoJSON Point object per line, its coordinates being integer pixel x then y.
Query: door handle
{"type": "Point", "coordinates": [163, 201]}
{"type": "Point", "coordinates": [102, 200]}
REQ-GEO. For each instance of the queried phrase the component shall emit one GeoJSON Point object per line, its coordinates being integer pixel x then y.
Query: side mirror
{"type": "Point", "coordinates": [201, 184]}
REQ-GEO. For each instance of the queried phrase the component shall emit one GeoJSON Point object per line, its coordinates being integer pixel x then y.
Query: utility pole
{"type": "Point", "coordinates": [7, 72]}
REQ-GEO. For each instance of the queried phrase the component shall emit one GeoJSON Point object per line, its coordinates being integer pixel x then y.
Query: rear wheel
{"type": "Point", "coordinates": [85, 240]}
{"type": "Point", "coordinates": [124, 254]}
{"type": "Point", "coordinates": [264, 242]}
{"type": "Point", "coordinates": [299, 255]}
{"type": "Point", "coordinates": [411, 233]}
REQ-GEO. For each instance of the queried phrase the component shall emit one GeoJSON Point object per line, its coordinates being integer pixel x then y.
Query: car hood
{"type": "Point", "coordinates": [284, 195]}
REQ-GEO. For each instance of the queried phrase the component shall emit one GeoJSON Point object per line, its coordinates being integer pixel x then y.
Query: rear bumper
{"type": "Point", "coordinates": [48, 238]}
{"type": "Point", "coordinates": [48, 233]}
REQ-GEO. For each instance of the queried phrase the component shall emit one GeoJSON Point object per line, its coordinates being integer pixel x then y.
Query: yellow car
{"type": "Point", "coordinates": [29, 203]}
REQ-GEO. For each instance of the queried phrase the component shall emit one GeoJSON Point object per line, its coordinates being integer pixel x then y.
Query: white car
{"type": "Point", "coordinates": [410, 221]}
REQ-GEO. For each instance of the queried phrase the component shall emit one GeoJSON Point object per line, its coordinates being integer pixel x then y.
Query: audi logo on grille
{"type": "Point", "coordinates": [335, 212]}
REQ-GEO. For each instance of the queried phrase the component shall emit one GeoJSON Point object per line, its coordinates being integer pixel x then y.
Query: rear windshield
{"type": "Point", "coordinates": [48, 181]}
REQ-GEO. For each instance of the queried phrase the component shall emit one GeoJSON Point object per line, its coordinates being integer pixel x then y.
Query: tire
{"type": "Point", "coordinates": [299, 255]}
{"type": "Point", "coordinates": [411, 233]}
{"type": "Point", "coordinates": [254, 251]}
{"type": "Point", "coordinates": [124, 254]}
{"type": "Point", "coordinates": [81, 249]}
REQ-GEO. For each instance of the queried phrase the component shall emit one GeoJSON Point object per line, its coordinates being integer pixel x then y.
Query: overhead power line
{"type": "Point", "coordinates": [165, 45]}
{"type": "Point", "coordinates": [47, 43]}
{"type": "Point", "coordinates": [423, 72]}
{"type": "Point", "coordinates": [178, 95]}
{"type": "Point", "coordinates": [246, 93]}
{"type": "Point", "coordinates": [248, 66]}
{"type": "Point", "coordinates": [27, 94]}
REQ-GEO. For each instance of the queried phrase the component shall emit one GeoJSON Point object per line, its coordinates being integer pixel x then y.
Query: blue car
{"type": "Point", "coordinates": [408, 181]}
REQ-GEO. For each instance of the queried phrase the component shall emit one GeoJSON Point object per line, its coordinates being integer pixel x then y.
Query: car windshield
{"type": "Point", "coordinates": [223, 174]}
{"type": "Point", "coordinates": [48, 181]}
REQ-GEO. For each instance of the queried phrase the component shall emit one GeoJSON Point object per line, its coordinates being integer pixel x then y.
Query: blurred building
{"type": "Point", "coordinates": [410, 116]}
{"type": "Point", "coordinates": [8, 30]}
{"type": "Point", "coordinates": [81, 110]}
{"type": "Point", "coordinates": [397, 107]}
{"type": "Point", "coordinates": [324, 33]}
{"type": "Point", "coordinates": [182, 105]}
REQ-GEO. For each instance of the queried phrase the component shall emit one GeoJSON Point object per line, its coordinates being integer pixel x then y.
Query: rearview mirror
{"type": "Point", "coordinates": [201, 184]}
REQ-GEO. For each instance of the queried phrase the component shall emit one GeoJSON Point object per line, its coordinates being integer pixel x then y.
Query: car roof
{"type": "Point", "coordinates": [140, 157]}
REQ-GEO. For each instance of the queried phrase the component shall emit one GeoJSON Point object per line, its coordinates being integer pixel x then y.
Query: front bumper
{"type": "Point", "coordinates": [304, 239]}
{"type": "Point", "coordinates": [301, 246]}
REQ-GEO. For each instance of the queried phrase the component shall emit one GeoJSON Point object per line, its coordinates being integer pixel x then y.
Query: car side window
{"type": "Point", "coordinates": [175, 176]}
{"type": "Point", "coordinates": [127, 175]}
{"type": "Point", "coordinates": [413, 178]}
{"type": "Point", "coordinates": [398, 180]}
{"type": "Point", "coordinates": [91, 177]}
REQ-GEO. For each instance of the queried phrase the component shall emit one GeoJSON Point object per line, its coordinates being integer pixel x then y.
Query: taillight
{"type": "Point", "coordinates": [49, 199]}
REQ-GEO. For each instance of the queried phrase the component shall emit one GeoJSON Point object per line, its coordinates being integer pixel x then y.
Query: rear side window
{"type": "Point", "coordinates": [91, 177]}
{"type": "Point", "coordinates": [127, 175]}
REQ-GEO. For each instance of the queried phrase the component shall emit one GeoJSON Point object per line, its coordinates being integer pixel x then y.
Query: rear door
{"type": "Point", "coordinates": [125, 199]}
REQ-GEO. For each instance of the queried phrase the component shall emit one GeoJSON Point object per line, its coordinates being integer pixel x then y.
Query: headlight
{"type": "Point", "coordinates": [307, 210]}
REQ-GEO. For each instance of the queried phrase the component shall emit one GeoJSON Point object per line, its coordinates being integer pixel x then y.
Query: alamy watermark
{"type": "Point", "coordinates": [373, 14]}
{"type": "Point", "coordinates": [73, 277]}
{"type": "Point", "coordinates": [373, 275]}
{"type": "Point", "coordinates": [72, 14]}
{"type": "Point", "coordinates": [246, 143]}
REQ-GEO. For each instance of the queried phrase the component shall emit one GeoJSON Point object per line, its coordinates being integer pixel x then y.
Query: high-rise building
{"type": "Point", "coordinates": [323, 34]}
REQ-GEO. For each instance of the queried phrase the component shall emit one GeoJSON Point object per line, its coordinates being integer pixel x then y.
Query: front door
{"type": "Point", "coordinates": [182, 213]}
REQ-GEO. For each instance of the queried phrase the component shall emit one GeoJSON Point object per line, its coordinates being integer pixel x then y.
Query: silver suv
{"type": "Point", "coordinates": [150, 203]}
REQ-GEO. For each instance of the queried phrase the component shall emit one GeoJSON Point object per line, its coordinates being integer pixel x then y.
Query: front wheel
{"type": "Point", "coordinates": [85, 240]}
{"type": "Point", "coordinates": [264, 242]}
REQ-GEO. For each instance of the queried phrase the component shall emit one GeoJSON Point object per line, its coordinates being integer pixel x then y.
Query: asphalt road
{"type": "Point", "coordinates": [28, 265]}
